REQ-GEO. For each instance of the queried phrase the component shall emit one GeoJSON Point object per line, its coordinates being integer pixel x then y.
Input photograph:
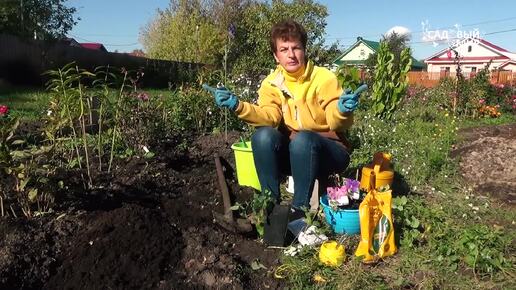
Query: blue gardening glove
{"type": "Point", "coordinates": [348, 102]}
{"type": "Point", "coordinates": [223, 97]}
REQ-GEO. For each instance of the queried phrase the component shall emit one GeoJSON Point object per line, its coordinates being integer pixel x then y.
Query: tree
{"type": "Point", "coordinates": [183, 32]}
{"type": "Point", "coordinates": [396, 43]}
{"type": "Point", "coordinates": [42, 19]}
{"type": "Point", "coordinates": [325, 54]}
{"type": "Point", "coordinates": [390, 80]}
{"type": "Point", "coordinates": [197, 31]}
{"type": "Point", "coordinates": [251, 51]}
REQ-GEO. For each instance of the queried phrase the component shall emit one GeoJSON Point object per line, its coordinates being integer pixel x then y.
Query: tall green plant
{"type": "Point", "coordinates": [390, 81]}
{"type": "Point", "coordinates": [64, 106]}
{"type": "Point", "coordinates": [104, 80]}
{"type": "Point", "coordinates": [114, 132]}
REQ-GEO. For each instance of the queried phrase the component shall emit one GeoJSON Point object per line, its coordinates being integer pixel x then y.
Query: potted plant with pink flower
{"type": "Point", "coordinates": [340, 206]}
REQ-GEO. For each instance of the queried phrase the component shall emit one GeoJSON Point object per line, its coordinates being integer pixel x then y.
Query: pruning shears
{"type": "Point", "coordinates": [211, 89]}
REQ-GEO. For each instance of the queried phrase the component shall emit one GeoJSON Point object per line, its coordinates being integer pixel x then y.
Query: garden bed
{"type": "Point", "coordinates": [146, 226]}
{"type": "Point", "coordinates": [488, 161]}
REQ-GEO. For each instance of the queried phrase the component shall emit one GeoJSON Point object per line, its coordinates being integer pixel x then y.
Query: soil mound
{"type": "Point", "coordinates": [131, 247]}
{"type": "Point", "coordinates": [488, 161]}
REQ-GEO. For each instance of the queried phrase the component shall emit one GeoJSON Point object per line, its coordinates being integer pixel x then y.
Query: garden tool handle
{"type": "Point", "coordinates": [378, 162]}
{"type": "Point", "coordinates": [224, 189]}
{"type": "Point", "coordinates": [377, 166]}
{"type": "Point", "coordinates": [372, 182]}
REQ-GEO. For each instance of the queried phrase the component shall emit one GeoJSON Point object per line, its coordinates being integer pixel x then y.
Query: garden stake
{"type": "Point", "coordinates": [227, 220]}
{"type": "Point", "coordinates": [2, 205]}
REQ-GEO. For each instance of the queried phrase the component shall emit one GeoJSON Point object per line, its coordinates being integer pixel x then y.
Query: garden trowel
{"type": "Point", "coordinates": [226, 220]}
{"type": "Point", "coordinates": [275, 227]}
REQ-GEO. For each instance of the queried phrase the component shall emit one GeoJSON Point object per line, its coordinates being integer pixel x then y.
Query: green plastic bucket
{"type": "Point", "coordinates": [246, 171]}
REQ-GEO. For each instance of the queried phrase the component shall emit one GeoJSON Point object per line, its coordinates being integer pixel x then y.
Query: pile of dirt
{"type": "Point", "coordinates": [488, 161]}
{"type": "Point", "coordinates": [130, 247]}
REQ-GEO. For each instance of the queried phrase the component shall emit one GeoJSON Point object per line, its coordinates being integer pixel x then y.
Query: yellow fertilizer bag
{"type": "Point", "coordinates": [376, 226]}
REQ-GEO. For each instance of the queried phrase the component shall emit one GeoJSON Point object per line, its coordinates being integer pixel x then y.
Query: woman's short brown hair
{"type": "Point", "coordinates": [287, 30]}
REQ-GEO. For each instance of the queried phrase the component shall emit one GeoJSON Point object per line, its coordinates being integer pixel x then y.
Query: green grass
{"type": "Point", "coordinates": [31, 103]}
{"type": "Point", "coordinates": [505, 118]}
{"type": "Point", "coordinates": [28, 104]}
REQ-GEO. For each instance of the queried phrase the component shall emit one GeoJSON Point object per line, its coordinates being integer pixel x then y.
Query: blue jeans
{"type": "Point", "coordinates": [307, 157]}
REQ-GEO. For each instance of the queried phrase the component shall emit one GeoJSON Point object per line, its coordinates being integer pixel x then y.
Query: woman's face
{"type": "Point", "coordinates": [290, 54]}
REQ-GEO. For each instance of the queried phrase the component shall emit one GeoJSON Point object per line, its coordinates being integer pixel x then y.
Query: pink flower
{"type": "Point", "coordinates": [340, 195]}
{"type": "Point", "coordinates": [143, 96]}
{"type": "Point", "coordinates": [4, 110]}
{"type": "Point", "coordinates": [481, 101]}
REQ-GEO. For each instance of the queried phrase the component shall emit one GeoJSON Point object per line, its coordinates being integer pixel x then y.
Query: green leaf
{"type": "Point", "coordinates": [149, 154]}
{"type": "Point", "coordinates": [235, 207]}
{"type": "Point", "coordinates": [23, 183]}
{"type": "Point", "coordinates": [33, 194]}
{"type": "Point", "coordinates": [256, 265]}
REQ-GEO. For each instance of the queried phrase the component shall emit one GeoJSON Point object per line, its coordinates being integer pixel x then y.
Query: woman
{"type": "Point", "coordinates": [300, 117]}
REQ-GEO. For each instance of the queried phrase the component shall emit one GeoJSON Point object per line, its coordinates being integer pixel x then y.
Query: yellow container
{"type": "Point", "coordinates": [332, 254]}
{"type": "Point", "coordinates": [246, 171]}
{"type": "Point", "coordinates": [381, 167]}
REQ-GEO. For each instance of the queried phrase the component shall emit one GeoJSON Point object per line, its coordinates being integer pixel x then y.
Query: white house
{"type": "Point", "coordinates": [359, 52]}
{"type": "Point", "coordinates": [473, 54]}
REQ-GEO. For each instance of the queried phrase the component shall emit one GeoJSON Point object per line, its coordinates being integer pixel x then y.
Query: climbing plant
{"type": "Point", "coordinates": [390, 81]}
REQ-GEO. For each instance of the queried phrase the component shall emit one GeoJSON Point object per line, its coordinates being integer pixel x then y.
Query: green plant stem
{"type": "Point", "coordinates": [83, 129]}
{"type": "Point", "coordinates": [12, 210]}
{"type": "Point", "coordinates": [74, 141]}
{"type": "Point", "coordinates": [115, 127]}
{"type": "Point", "coordinates": [99, 136]}
{"type": "Point", "coordinates": [70, 120]}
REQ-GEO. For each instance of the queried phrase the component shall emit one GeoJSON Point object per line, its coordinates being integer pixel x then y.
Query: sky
{"type": "Point", "coordinates": [117, 23]}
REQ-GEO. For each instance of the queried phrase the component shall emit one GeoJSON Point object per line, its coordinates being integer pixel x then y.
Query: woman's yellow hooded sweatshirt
{"type": "Point", "coordinates": [304, 100]}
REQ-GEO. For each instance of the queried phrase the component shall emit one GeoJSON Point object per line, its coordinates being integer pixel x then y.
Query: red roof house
{"type": "Point", "coordinates": [473, 54]}
{"type": "Point", "coordinates": [94, 46]}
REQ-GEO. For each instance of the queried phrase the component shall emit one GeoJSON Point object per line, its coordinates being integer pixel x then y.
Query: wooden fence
{"type": "Point", "coordinates": [431, 79]}
{"type": "Point", "coordinates": [22, 62]}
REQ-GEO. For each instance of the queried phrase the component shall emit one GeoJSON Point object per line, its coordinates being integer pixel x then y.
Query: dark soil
{"type": "Point", "coordinates": [148, 225]}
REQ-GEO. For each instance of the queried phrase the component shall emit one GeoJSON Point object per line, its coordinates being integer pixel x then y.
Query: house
{"type": "Point", "coordinates": [94, 46]}
{"type": "Point", "coordinates": [137, 53]}
{"type": "Point", "coordinates": [88, 45]}
{"type": "Point", "coordinates": [357, 54]}
{"type": "Point", "coordinates": [70, 42]}
{"type": "Point", "coordinates": [473, 54]}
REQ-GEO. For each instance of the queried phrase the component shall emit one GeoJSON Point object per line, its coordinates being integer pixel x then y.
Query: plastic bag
{"type": "Point", "coordinates": [376, 226]}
